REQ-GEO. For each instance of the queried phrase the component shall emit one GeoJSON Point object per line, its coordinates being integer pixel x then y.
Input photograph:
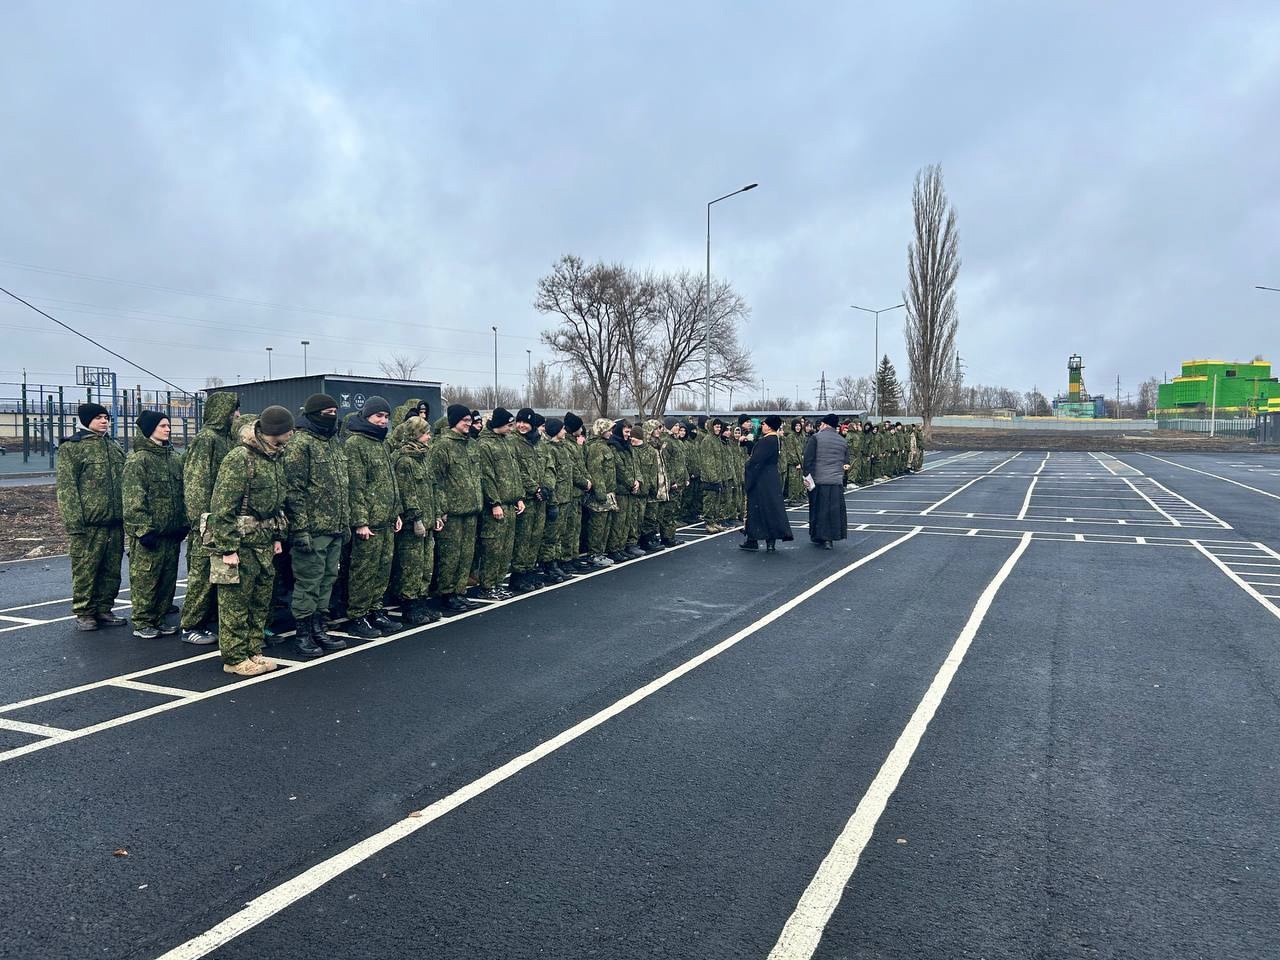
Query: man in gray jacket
{"type": "Point", "coordinates": [826, 461]}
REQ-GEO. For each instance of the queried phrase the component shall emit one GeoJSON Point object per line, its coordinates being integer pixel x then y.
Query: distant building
{"type": "Point", "coordinates": [1077, 402]}
{"type": "Point", "coordinates": [1232, 388]}
{"type": "Point", "coordinates": [350, 392]}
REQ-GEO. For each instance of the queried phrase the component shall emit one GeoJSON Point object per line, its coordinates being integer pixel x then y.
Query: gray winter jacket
{"type": "Point", "coordinates": [825, 456]}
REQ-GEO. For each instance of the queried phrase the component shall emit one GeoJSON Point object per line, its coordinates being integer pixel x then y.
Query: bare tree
{"type": "Point", "coordinates": [400, 366]}
{"type": "Point", "coordinates": [586, 335]}
{"type": "Point", "coordinates": [211, 382]}
{"type": "Point", "coordinates": [1148, 396]}
{"type": "Point", "coordinates": [673, 354]}
{"type": "Point", "coordinates": [933, 263]}
{"type": "Point", "coordinates": [1037, 404]}
{"type": "Point", "coordinates": [853, 393]}
{"type": "Point", "coordinates": [803, 405]}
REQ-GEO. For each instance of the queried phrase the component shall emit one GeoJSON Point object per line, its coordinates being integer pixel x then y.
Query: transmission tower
{"type": "Point", "coordinates": [822, 391]}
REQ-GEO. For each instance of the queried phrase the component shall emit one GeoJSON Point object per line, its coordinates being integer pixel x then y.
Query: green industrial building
{"type": "Point", "coordinates": [1233, 389]}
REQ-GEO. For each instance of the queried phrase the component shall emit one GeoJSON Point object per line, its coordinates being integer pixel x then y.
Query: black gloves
{"type": "Point", "coordinates": [150, 539]}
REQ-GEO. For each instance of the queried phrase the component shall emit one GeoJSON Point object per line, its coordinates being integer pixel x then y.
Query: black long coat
{"type": "Point", "coordinates": [766, 511]}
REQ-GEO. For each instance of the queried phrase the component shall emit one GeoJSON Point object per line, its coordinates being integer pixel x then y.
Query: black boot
{"type": "Point", "coordinates": [770, 546]}
{"type": "Point", "coordinates": [363, 629]}
{"type": "Point", "coordinates": [321, 635]}
{"type": "Point", "coordinates": [749, 545]}
{"type": "Point", "coordinates": [308, 649]}
{"type": "Point", "coordinates": [415, 613]}
{"type": "Point", "coordinates": [384, 623]}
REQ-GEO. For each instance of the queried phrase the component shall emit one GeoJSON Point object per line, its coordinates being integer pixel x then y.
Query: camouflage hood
{"type": "Point", "coordinates": [404, 438]}
{"type": "Point", "coordinates": [407, 409]}
{"type": "Point", "coordinates": [251, 437]}
{"type": "Point", "coordinates": [142, 442]}
{"type": "Point", "coordinates": [218, 410]}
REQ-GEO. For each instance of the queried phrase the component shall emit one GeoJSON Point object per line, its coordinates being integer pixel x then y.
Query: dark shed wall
{"type": "Point", "coordinates": [350, 392]}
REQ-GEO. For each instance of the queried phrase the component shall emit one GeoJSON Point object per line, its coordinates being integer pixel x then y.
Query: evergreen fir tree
{"type": "Point", "coordinates": [888, 390]}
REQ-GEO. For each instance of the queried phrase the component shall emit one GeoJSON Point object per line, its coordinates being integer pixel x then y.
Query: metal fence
{"type": "Point", "coordinates": [34, 417]}
{"type": "Point", "coordinates": [1234, 427]}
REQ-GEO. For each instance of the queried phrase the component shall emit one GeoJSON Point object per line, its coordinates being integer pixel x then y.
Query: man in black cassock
{"type": "Point", "coordinates": [766, 511]}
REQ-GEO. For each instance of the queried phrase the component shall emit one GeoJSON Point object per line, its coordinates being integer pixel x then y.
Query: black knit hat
{"type": "Point", "coordinates": [831, 420]}
{"type": "Point", "coordinates": [743, 418]}
{"type": "Point", "coordinates": [553, 426]}
{"type": "Point", "coordinates": [501, 417]}
{"type": "Point", "coordinates": [374, 405]}
{"type": "Point", "coordinates": [455, 413]}
{"type": "Point", "coordinates": [537, 420]}
{"type": "Point", "coordinates": [317, 402]}
{"type": "Point", "coordinates": [275, 421]}
{"type": "Point", "coordinates": [148, 420]}
{"type": "Point", "coordinates": [774, 421]}
{"type": "Point", "coordinates": [87, 411]}
{"type": "Point", "coordinates": [525, 415]}
{"type": "Point", "coordinates": [572, 422]}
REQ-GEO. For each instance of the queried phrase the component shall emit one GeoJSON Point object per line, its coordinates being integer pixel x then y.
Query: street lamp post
{"type": "Point", "coordinates": [495, 365]}
{"type": "Point", "coordinates": [528, 378]}
{"type": "Point", "coordinates": [875, 392]}
{"type": "Point", "coordinates": [749, 186]}
{"type": "Point", "coordinates": [305, 344]}
{"type": "Point", "coordinates": [268, 363]}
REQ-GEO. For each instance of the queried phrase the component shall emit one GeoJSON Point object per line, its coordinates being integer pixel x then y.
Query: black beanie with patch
{"type": "Point", "coordinates": [501, 417]}
{"type": "Point", "coordinates": [455, 413]}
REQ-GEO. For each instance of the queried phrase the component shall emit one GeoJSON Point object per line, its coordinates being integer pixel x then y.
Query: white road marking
{"type": "Point", "coordinates": [268, 904]}
{"type": "Point", "coordinates": [1031, 488]}
{"type": "Point", "coordinates": [1153, 504]}
{"type": "Point", "coordinates": [1214, 475]}
{"type": "Point", "coordinates": [1044, 463]}
{"type": "Point", "coordinates": [804, 928]}
{"type": "Point", "coordinates": [35, 729]}
{"type": "Point", "coordinates": [1243, 584]}
{"type": "Point", "coordinates": [24, 621]}
{"type": "Point", "coordinates": [963, 487]}
{"type": "Point", "coordinates": [152, 688]}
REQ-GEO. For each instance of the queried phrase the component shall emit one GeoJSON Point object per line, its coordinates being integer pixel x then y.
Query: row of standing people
{"type": "Point", "coordinates": [385, 508]}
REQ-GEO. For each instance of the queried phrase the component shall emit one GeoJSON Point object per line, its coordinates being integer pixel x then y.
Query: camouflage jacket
{"type": "Point", "coordinates": [454, 474]}
{"type": "Point", "coordinates": [580, 477]}
{"type": "Point", "coordinates": [203, 456]}
{"type": "Point", "coordinates": [247, 508]}
{"type": "Point", "coordinates": [153, 500]}
{"type": "Point", "coordinates": [645, 458]}
{"type": "Point", "coordinates": [711, 462]}
{"type": "Point", "coordinates": [500, 481]}
{"type": "Point", "coordinates": [90, 473]}
{"type": "Point", "coordinates": [531, 461]}
{"type": "Point", "coordinates": [413, 476]}
{"type": "Point", "coordinates": [673, 454]}
{"type": "Point", "coordinates": [565, 464]}
{"type": "Point", "coordinates": [315, 467]}
{"type": "Point", "coordinates": [626, 471]}
{"type": "Point", "coordinates": [371, 482]}
{"type": "Point", "coordinates": [601, 468]}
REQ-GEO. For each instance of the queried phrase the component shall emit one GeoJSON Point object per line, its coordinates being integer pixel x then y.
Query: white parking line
{"type": "Point", "coordinates": [804, 928]}
{"type": "Point", "coordinates": [1153, 504]}
{"type": "Point", "coordinates": [1031, 488]}
{"type": "Point", "coordinates": [268, 904]}
{"type": "Point", "coordinates": [35, 729]}
{"type": "Point", "coordinates": [1214, 475]}
{"type": "Point", "coordinates": [1243, 584]}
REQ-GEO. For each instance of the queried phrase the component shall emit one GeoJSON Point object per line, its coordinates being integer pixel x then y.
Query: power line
{"type": "Point", "coordinates": [221, 298]}
{"type": "Point", "coordinates": [82, 336]}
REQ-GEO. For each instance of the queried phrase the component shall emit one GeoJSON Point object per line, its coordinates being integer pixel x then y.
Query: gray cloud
{"type": "Point", "coordinates": [423, 164]}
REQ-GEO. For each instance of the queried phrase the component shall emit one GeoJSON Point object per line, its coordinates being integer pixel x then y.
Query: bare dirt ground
{"type": "Point", "coordinates": [29, 523]}
{"type": "Point", "coordinates": [1173, 441]}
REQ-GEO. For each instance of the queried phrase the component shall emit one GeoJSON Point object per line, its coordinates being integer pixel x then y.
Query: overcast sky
{"type": "Point", "coordinates": [420, 165]}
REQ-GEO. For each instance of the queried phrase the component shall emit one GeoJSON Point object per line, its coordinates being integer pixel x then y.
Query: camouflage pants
{"type": "Point", "coordinates": [599, 526]}
{"type": "Point", "coordinates": [199, 606]}
{"type": "Point", "coordinates": [712, 506]}
{"type": "Point", "coordinates": [455, 548]}
{"type": "Point", "coordinates": [649, 523]}
{"type": "Point", "coordinates": [635, 519]}
{"type": "Point", "coordinates": [668, 520]}
{"type": "Point", "coordinates": [552, 548]}
{"type": "Point", "coordinates": [153, 578]}
{"type": "Point", "coordinates": [619, 524]}
{"type": "Point", "coordinates": [315, 571]}
{"type": "Point", "coordinates": [243, 606]}
{"type": "Point", "coordinates": [691, 501]}
{"type": "Point", "coordinates": [96, 556]}
{"type": "Point", "coordinates": [497, 540]}
{"type": "Point", "coordinates": [528, 541]}
{"type": "Point", "coordinates": [411, 569]}
{"type": "Point", "coordinates": [570, 529]}
{"type": "Point", "coordinates": [370, 572]}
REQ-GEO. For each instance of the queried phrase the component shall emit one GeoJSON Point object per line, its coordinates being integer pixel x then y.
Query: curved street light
{"type": "Point", "coordinates": [875, 369]}
{"type": "Point", "coordinates": [707, 391]}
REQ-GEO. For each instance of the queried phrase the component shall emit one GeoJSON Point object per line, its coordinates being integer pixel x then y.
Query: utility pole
{"type": "Point", "coordinates": [495, 365]}
{"type": "Point", "coordinates": [528, 378]}
{"type": "Point", "coordinates": [1117, 396]}
{"type": "Point", "coordinates": [268, 363]}
{"type": "Point", "coordinates": [822, 391]}
{"type": "Point", "coordinates": [305, 344]}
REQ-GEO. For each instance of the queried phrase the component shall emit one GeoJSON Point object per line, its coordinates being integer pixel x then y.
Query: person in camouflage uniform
{"type": "Point", "coordinates": [455, 478]}
{"type": "Point", "coordinates": [200, 463]}
{"type": "Point", "coordinates": [317, 506]}
{"type": "Point", "coordinates": [602, 502]}
{"type": "Point", "coordinates": [712, 473]}
{"type": "Point", "coordinates": [571, 515]}
{"type": "Point", "coordinates": [503, 493]}
{"type": "Point", "coordinates": [90, 472]}
{"type": "Point", "coordinates": [691, 502]}
{"type": "Point", "coordinates": [415, 543]}
{"type": "Point", "coordinates": [375, 519]}
{"type": "Point", "coordinates": [672, 451]}
{"type": "Point", "coordinates": [551, 559]}
{"type": "Point", "coordinates": [155, 523]}
{"type": "Point", "coordinates": [246, 529]}
{"type": "Point", "coordinates": [853, 439]}
{"type": "Point", "coordinates": [655, 485]}
{"type": "Point", "coordinates": [626, 484]}
{"type": "Point", "coordinates": [533, 465]}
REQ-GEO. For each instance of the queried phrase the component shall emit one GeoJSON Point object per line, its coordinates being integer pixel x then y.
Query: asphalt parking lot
{"type": "Point", "coordinates": [1030, 708]}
